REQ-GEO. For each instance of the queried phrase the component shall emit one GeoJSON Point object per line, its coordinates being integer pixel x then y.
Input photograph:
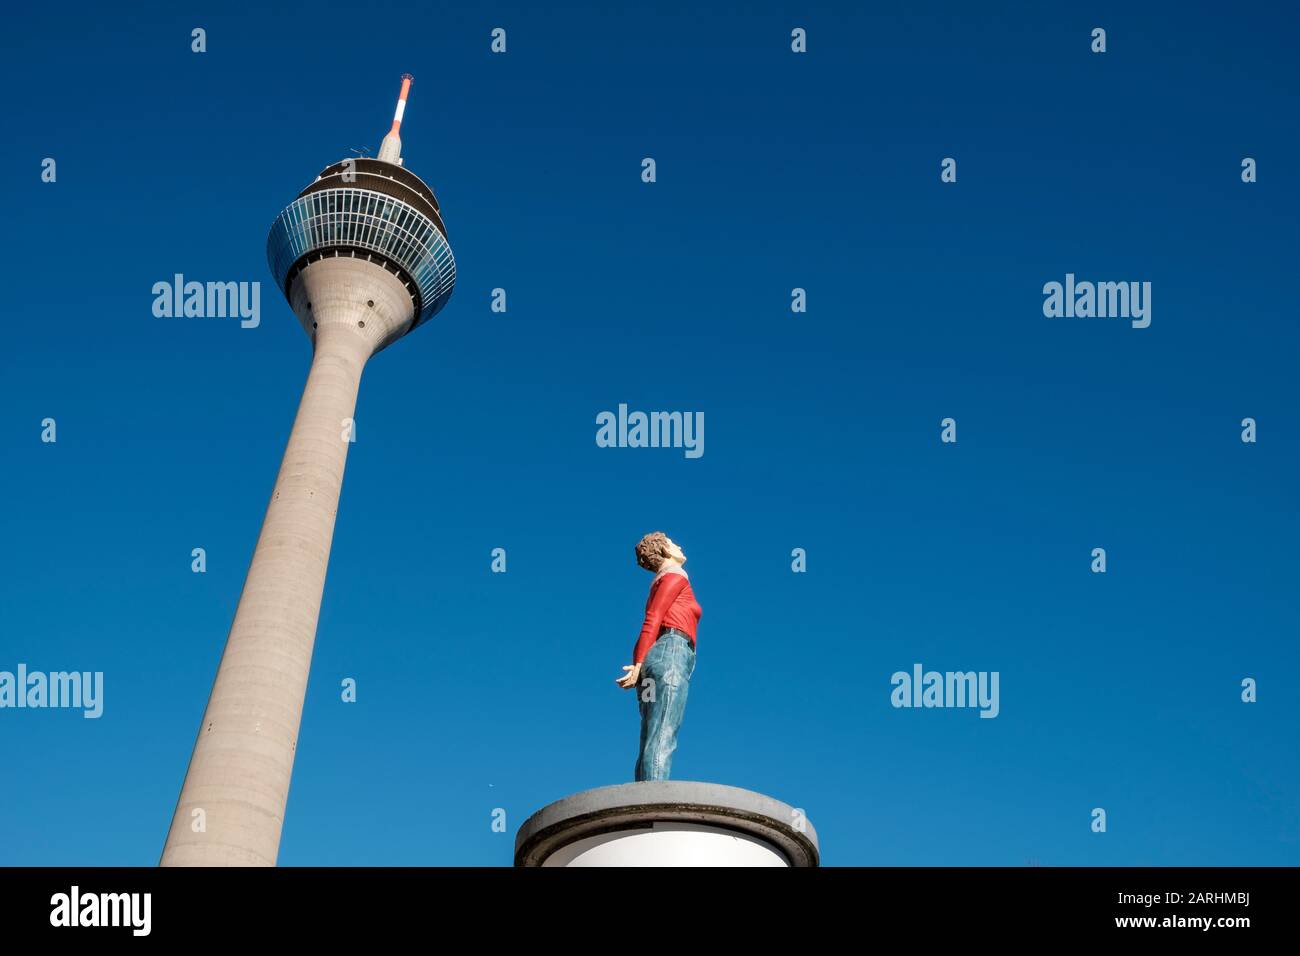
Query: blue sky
{"type": "Point", "coordinates": [775, 171]}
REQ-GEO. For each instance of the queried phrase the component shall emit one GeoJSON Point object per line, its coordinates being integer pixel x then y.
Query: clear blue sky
{"type": "Point", "coordinates": [775, 170]}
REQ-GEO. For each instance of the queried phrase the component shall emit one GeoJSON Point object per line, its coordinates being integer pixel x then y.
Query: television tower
{"type": "Point", "coordinates": [363, 258]}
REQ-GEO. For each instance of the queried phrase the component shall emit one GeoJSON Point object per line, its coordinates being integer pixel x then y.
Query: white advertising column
{"type": "Point", "coordinates": [667, 823]}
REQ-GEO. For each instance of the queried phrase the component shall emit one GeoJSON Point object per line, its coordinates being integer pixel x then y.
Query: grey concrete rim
{"type": "Point", "coordinates": [629, 806]}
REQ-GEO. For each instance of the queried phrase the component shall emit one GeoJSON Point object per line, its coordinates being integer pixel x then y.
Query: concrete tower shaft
{"type": "Point", "coordinates": [362, 263]}
{"type": "Point", "coordinates": [242, 762]}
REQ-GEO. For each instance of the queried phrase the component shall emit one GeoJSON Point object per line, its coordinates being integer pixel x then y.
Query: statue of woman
{"type": "Point", "coordinates": [664, 657]}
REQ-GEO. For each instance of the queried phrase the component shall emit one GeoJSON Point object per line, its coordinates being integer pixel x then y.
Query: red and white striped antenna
{"type": "Point", "coordinates": [390, 151]}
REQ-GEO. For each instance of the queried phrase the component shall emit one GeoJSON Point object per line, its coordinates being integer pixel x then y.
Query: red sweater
{"type": "Point", "coordinates": [671, 604]}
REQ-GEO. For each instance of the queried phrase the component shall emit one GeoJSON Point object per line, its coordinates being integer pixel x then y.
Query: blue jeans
{"type": "Point", "coordinates": [661, 695]}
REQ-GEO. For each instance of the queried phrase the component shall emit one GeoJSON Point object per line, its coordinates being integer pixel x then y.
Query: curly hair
{"type": "Point", "coordinates": [651, 550]}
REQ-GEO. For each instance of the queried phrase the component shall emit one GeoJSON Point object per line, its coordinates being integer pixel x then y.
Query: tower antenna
{"type": "Point", "coordinates": [390, 151]}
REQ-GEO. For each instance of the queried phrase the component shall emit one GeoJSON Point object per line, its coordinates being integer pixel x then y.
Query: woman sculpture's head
{"type": "Point", "coordinates": [655, 548]}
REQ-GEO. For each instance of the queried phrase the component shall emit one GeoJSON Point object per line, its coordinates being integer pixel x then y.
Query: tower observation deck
{"type": "Point", "coordinates": [372, 210]}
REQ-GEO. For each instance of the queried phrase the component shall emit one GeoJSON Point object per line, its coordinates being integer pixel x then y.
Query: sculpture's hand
{"type": "Point", "coordinates": [628, 680]}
